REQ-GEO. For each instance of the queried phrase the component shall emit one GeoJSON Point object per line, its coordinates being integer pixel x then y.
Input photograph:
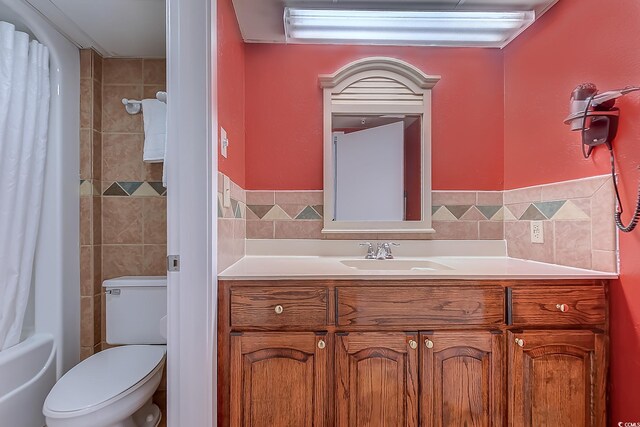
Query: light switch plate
{"type": "Point", "coordinates": [537, 232]}
{"type": "Point", "coordinates": [224, 142]}
{"type": "Point", "coordinates": [226, 192]}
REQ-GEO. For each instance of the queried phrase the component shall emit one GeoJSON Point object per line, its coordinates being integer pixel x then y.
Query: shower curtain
{"type": "Point", "coordinates": [24, 120]}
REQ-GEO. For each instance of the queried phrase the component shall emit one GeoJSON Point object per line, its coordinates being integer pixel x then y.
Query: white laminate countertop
{"type": "Point", "coordinates": [261, 267]}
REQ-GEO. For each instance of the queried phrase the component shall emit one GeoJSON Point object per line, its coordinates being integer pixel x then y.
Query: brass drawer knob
{"type": "Point", "coordinates": [520, 342]}
{"type": "Point", "coordinates": [562, 307]}
{"type": "Point", "coordinates": [278, 309]}
{"type": "Point", "coordinates": [321, 344]}
{"type": "Point", "coordinates": [428, 343]}
{"type": "Point", "coordinates": [413, 344]}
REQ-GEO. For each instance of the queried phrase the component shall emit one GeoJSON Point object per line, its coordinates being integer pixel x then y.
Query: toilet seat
{"type": "Point", "coordinates": [102, 378]}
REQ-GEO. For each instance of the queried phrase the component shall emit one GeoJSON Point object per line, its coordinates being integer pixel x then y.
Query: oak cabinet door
{"type": "Point", "coordinates": [557, 378]}
{"type": "Point", "coordinates": [462, 379]}
{"type": "Point", "coordinates": [376, 379]}
{"type": "Point", "coordinates": [279, 379]}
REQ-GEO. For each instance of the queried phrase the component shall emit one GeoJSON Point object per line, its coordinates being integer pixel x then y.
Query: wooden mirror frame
{"type": "Point", "coordinates": [377, 85]}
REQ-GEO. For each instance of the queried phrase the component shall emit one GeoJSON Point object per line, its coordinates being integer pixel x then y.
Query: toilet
{"type": "Point", "coordinates": [113, 388]}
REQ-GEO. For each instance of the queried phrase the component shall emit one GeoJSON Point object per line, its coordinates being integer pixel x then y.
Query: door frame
{"type": "Point", "coordinates": [191, 223]}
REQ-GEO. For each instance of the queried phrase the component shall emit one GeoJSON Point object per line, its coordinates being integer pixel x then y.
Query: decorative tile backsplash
{"type": "Point", "coordinates": [577, 219]}
{"type": "Point", "coordinates": [231, 225]}
{"type": "Point", "coordinates": [461, 215]}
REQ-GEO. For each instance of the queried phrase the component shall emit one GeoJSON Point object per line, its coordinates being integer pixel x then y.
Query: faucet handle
{"type": "Point", "coordinates": [370, 251]}
{"type": "Point", "coordinates": [387, 247]}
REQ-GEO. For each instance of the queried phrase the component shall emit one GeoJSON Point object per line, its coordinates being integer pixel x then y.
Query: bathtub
{"type": "Point", "coordinates": [27, 373]}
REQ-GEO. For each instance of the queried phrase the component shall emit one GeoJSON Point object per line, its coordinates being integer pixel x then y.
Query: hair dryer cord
{"type": "Point", "coordinates": [636, 214]}
{"type": "Point", "coordinates": [583, 132]}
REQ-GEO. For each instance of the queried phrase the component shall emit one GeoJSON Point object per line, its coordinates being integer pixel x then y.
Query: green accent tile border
{"type": "Point", "coordinates": [535, 211]}
{"type": "Point", "coordinates": [489, 211]}
{"type": "Point", "coordinates": [308, 213]}
{"type": "Point", "coordinates": [159, 187]}
{"type": "Point", "coordinates": [549, 209]}
{"type": "Point", "coordinates": [458, 210]}
{"type": "Point", "coordinates": [532, 214]}
{"type": "Point", "coordinates": [260, 210]}
{"type": "Point", "coordinates": [128, 189]}
{"type": "Point", "coordinates": [114, 190]}
{"type": "Point", "coordinates": [235, 211]}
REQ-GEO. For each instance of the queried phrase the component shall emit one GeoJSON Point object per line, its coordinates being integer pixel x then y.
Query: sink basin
{"type": "Point", "coordinates": [394, 264]}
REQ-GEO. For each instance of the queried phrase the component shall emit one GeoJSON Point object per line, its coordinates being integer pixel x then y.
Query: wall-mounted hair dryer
{"type": "Point", "coordinates": [596, 117]}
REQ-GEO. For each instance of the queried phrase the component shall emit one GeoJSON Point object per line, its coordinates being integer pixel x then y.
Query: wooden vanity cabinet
{"type": "Point", "coordinates": [376, 379]}
{"type": "Point", "coordinates": [383, 353]}
{"type": "Point", "coordinates": [462, 378]}
{"type": "Point", "coordinates": [279, 379]}
{"type": "Point", "coordinates": [557, 378]}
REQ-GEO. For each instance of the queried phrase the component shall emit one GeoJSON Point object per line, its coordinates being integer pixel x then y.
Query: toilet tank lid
{"type": "Point", "coordinates": [138, 281]}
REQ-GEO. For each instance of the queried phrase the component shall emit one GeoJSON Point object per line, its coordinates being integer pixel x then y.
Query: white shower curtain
{"type": "Point", "coordinates": [24, 122]}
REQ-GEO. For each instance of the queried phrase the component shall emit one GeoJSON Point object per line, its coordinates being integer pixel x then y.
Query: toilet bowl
{"type": "Point", "coordinates": [112, 388]}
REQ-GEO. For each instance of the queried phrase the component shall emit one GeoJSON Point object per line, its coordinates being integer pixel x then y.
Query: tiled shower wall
{"type": "Point", "coordinates": [577, 219]}
{"type": "Point", "coordinates": [134, 217]}
{"type": "Point", "coordinates": [123, 203]}
{"type": "Point", "coordinates": [90, 202]}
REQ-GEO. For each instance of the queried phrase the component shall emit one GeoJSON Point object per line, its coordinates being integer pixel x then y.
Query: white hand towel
{"type": "Point", "coordinates": [154, 113]}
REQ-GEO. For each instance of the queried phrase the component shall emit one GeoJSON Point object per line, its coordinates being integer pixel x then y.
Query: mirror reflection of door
{"type": "Point", "coordinates": [369, 173]}
{"type": "Point", "coordinates": [377, 168]}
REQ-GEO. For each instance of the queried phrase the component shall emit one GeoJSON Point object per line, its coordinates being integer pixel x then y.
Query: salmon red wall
{"type": "Point", "coordinates": [576, 42]}
{"type": "Point", "coordinates": [284, 113]}
{"type": "Point", "coordinates": [231, 91]}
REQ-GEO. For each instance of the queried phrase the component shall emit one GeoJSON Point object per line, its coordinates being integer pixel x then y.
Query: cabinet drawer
{"type": "Point", "coordinates": [558, 306]}
{"type": "Point", "coordinates": [419, 306]}
{"type": "Point", "coordinates": [280, 306]}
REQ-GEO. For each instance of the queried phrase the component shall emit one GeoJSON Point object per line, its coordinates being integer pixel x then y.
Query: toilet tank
{"type": "Point", "coordinates": [136, 309]}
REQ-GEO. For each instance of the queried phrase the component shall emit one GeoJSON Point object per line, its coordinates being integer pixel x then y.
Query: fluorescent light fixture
{"type": "Point", "coordinates": [434, 28]}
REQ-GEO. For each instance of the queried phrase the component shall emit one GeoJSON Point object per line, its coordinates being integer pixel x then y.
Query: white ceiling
{"type": "Point", "coordinates": [136, 28]}
{"type": "Point", "coordinates": [115, 28]}
{"type": "Point", "coordinates": [261, 21]}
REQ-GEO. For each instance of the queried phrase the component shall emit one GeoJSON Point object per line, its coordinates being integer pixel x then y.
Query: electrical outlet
{"type": "Point", "coordinates": [224, 142]}
{"type": "Point", "coordinates": [537, 232]}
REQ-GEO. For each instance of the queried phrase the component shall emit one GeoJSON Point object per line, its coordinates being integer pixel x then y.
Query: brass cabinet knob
{"type": "Point", "coordinates": [321, 344]}
{"type": "Point", "coordinates": [428, 343]}
{"type": "Point", "coordinates": [278, 309]}
{"type": "Point", "coordinates": [562, 307]}
{"type": "Point", "coordinates": [520, 342]}
{"type": "Point", "coordinates": [413, 344]}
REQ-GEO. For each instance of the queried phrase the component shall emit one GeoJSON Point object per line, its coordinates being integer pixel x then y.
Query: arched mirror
{"type": "Point", "coordinates": [377, 148]}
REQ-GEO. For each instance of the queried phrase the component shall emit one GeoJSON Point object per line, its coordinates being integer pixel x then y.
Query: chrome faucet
{"type": "Point", "coordinates": [370, 252]}
{"type": "Point", "coordinates": [384, 250]}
